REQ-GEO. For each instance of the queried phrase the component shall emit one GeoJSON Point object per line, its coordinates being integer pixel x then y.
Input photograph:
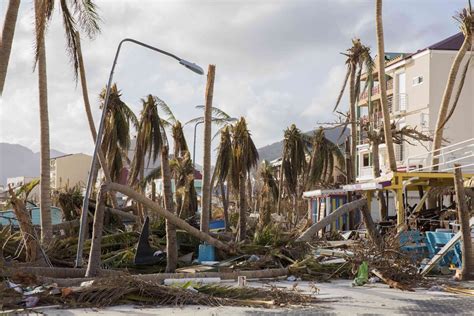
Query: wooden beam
{"type": "Point", "coordinates": [172, 218]}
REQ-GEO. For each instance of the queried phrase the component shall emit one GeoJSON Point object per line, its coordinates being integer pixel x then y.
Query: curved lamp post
{"type": "Point", "coordinates": [229, 120]}
{"type": "Point", "coordinates": [194, 143]}
{"type": "Point", "coordinates": [85, 205]}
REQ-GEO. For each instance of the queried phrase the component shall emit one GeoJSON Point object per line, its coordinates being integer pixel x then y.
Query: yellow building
{"type": "Point", "coordinates": [70, 170]}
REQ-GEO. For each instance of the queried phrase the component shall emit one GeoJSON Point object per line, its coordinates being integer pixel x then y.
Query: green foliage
{"type": "Point", "coordinates": [270, 235]}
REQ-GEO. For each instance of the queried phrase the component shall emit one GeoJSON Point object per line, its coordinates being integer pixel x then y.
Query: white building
{"type": "Point", "coordinates": [415, 87]}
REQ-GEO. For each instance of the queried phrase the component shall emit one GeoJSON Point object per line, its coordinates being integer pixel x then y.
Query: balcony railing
{"type": "Point", "coordinates": [376, 90]}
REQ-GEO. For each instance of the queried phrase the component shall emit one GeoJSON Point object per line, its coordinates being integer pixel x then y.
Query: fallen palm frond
{"type": "Point", "coordinates": [131, 290]}
{"type": "Point", "coordinates": [311, 268]}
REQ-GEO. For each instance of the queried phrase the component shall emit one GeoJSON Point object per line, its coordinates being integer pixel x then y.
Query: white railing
{"type": "Point", "coordinates": [400, 101]}
{"type": "Point", "coordinates": [461, 153]}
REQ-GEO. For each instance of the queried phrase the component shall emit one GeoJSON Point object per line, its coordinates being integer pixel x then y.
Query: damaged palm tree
{"type": "Point", "coordinates": [293, 163]}
{"type": "Point", "coordinates": [223, 166]}
{"type": "Point", "coordinates": [325, 155]}
{"type": "Point", "coordinates": [358, 56]}
{"type": "Point", "coordinates": [269, 194]}
{"type": "Point", "coordinates": [244, 158]}
{"type": "Point", "coordinates": [182, 168]}
{"type": "Point", "coordinates": [118, 122]}
{"type": "Point", "coordinates": [152, 141]}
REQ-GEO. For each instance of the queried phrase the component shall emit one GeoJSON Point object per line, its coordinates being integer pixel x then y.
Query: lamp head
{"type": "Point", "coordinates": [192, 66]}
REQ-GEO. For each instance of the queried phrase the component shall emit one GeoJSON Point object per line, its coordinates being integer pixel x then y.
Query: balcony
{"type": "Point", "coordinates": [363, 97]}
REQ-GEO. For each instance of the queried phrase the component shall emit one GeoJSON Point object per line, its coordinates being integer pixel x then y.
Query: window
{"type": "Point", "coordinates": [365, 160]}
{"type": "Point", "coordinates": [417, 80]}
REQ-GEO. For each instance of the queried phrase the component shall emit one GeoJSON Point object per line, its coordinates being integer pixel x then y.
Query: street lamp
{"type": "Point", "coordinates": [85, 205]}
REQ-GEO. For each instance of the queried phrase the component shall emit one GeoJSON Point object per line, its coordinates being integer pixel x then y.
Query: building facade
{"type": "Point", "coordinates": [70, 170]}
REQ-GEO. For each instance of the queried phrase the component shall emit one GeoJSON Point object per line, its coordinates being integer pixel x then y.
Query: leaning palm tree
{"type": "Point", "coordinates": [325, 155]}
{"type": "Point", "coordinates": [383, 88]}
{"type": "Point", "coordinates": [118, 123]}
{"type": "Point", "coordinates": [466, 22]}
{"type": "Point", "coordinates": [82, 15]}
{"type": "Point", "coordinates": [358, 57]}
{"type": "Point", "coordinates": [7, 39]}
{"type": "Point", "coordinates": [292, 164]}
{"type": "Point", "coordinates": [244, 158]}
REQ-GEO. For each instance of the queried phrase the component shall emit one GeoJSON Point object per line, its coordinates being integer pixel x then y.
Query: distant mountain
{"type": "Point", "coordinates": [273, 151]}
{"type": "Point", "coordinates": [17, 160]}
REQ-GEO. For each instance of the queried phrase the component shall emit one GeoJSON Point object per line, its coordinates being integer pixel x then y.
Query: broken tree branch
{"type": "Point", "coordinates": [173, 219]}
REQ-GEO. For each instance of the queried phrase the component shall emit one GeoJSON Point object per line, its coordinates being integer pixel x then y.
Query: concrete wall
{"type": "Point", "coordinates": [70, 170]}
{"type": "Point", "coordinates": [461, 125]}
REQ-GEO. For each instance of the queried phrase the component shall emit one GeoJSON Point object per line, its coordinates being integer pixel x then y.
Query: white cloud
{"type": "Point", "coordinates": [277, 62]}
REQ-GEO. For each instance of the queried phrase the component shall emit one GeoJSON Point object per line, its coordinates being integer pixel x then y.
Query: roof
{"type": "Point", "coordinates": [453, 42]}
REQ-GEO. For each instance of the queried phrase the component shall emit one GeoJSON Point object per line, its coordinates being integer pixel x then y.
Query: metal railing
{"type": "Point", "coordinates": [461, 153]}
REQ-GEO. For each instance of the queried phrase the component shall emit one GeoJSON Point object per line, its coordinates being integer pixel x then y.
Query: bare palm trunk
{"type": "Point", "coordinates": [448, 91]}
{"type": "Point", "coordinates": [280, 189]}
{"type": "Point", "coordinates": [45, 184]}
{"type": "Point", "coordinates": [242, 209]}
{"type": "Point", "coordinates": [383, 87]}
{"type": "Point", "coordinates": [90, 120]}
{"type": "Point", "coordinates": [206, 177]}
{"type": "Point", "coordinates": [249, 193]}
{"type": "Point", "coordinates": [171, 243]}
{"type": "Point", "coordinates": [467, 269]}
{"type": "Point", "coordinates": [93, 266]}
{"type": "Point", "coordinates": [352, 114]}
{"type": "Point", "coordinates": [7, 39]}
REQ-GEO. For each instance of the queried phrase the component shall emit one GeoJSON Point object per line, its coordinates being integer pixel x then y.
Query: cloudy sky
{"type": "Point", "coordinates": [277, 62]}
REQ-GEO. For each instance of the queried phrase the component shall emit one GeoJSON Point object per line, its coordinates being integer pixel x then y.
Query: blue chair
{"type": "Point", "coordinates": [436, 240]}
{"type": "Point", "coordinates": [413, 241]}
